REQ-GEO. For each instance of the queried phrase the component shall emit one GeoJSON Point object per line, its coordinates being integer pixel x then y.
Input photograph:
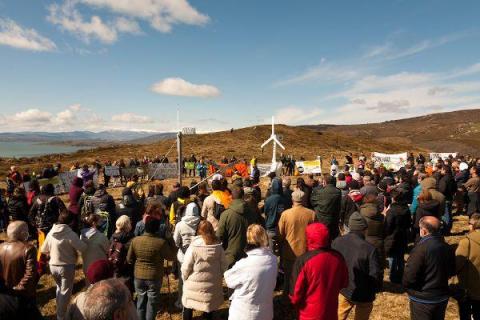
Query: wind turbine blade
{"type": "Point", "coordinates": [278, 142]}
{"type": "Point", "coordinates": [266, 142]}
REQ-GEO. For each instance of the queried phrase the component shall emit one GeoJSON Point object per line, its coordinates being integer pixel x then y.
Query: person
{"type": "Point", "coordinates": [156, 211]}
{"type": "Point", "coordinates": [232, 227]}
{"type": "Point", "coordinates": [472, 186]}
{"type": "Point", "coordinates": [85, 205]}
{"type": "Point", "coordinates": [326, 202]}
{"type": "Point", "coordinates": [430, 264]}
{"type": "Point", "coordinates": [104, 206]}
{"type": "Point", "coordinates": [61, 246]}
{"type": "Point", "coordinates": [467, 263]}
{"type": "Point", "coordinates": [427, 206]}
{"type": "Point", "coordinates": [201, 168]}
{"type": "Point", "coordinates": [155, 195]}
{"type": "Point", "coordinates": [177, 209]}
{"type": "Point", "coordinates": [129, 206]}
{"type": "Point", "coordinates": [184, 232]}
{"type": "Point", "coordinates": [97, 243]}
{"type": "Point", "coordinates": [98, 271]}
{"type": "Point", "coordinates": [117, 252]}
{"type": "Point", "coordinates": [416, 193]}
{"type": "Point", "coordinates": [448, 187]}
{"type": "Point", "coordinates": [397, 224]}
{"type": "Point", "coordinates": [147, 253]}
{"type": "Point", "coordinates": [317, 277]}
{"type": "Point", "coordinates": [18, 272]}
{"type": "Point", "coordinates": [217, 201]}
{"type": "Point", "coordinates": [202, 269]}
{"type": "Point", "coordinates": [291, 230]}
{"type": "Point", "coordinates": [85, 174]}
{"type": "Point", "coordinates": [287, 192]}
{"type": "Point", "coordinates": [109, 299]}
{"type": "Point", "coordinates": [365, 270]}
{"type": "Point", "coordinates": [33, 191]}
{"type": "Point", "coordinates": [375, 221]}
{"type": "Point", "coordinates": [74, 194]}
{"type": "Point", "coordinates": [17, 206]}
{"type": "Point", "coordinates": [253, 279]}
{"type": "Point", "coordinates": [430, 184]}
{"type": "Point", "coordinates": [274, 206]}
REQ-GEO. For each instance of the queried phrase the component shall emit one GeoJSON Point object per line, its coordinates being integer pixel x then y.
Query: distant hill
{"type": "Point", "coordinates": [83, 136]}
{"type": "Point", "coordinates": [457, 131]}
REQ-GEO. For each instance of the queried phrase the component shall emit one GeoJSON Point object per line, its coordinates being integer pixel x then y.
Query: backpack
{"type": "Point", "coordinates": [218, 208]}
{"type": "Point", "coordinates": [180, 209]}
{"type": "Point", "coordinates": [87, 208]}
{"type": "Point", "coordinates": [104, 222]}
{"type": "Point", "coordinates": [117, 255]}
{"type": "Point", "coordinates": [45, 216]}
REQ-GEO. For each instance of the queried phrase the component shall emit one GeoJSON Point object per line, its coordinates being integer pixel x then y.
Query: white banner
{"type": "Point", "coordinates": [390, 161]}
{"type": "Point", "coordinates": [435, 156]}
{"type": "Point", "coordinates": [309, 167]}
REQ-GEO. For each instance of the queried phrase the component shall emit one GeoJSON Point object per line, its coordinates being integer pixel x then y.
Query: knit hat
{"type": "Point", "coordinates": [357, 222]}
{"type": "Point", "coordinates": [298, 195]}
{"type": "Point", "coordinates": [99, 270]}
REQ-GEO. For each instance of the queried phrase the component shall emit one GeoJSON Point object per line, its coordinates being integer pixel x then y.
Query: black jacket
{"type": "Point", "coordinates": [430, 265]}
{"type": "Point", "coordinates": [17, 208]}
{"type": "Point", "coordinates": [365, 274]}
{"type": "Point", "coordinates": [447, 186]}
{"type": "Point", "coordinates": [397, 223]}
{"type": "Point", "coordinates": [327, 204]}
{"type": "Point", "coordinates": [429, 208]}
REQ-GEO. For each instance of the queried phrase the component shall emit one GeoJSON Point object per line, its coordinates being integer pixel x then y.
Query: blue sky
{"type": "Point", "coordinates": [124, 64]}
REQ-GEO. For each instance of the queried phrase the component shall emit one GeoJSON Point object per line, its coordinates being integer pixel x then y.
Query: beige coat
{"type": "Point", "coordinates": [468, 264]}
{"type": "Point", "coordinates": [202, 271]}
{"type": "Point", "coordinates": [291, 226]}
{"type": "Point", "coordinates": [207, 210]}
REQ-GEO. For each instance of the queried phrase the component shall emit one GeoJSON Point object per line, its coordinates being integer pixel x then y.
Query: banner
{"type": "Point", "coordinates": [390, 161]}
{"type": "Point", "coordinates": [112, 171]}
{"type": "Point", "coordinates": [444, 156]}
{"type": "Point", "coordinates": [57, 183]}
{"type": "Point", "coordinates": [309, 167]}
{"type": "Point", "coordinates": [190, 165]}
{"type": "Point", "coordinates": [128, 172]}
{"type": "Point", "coordinates": [162, 171]}
{"type": "Point", "coordinates": [67, 179]}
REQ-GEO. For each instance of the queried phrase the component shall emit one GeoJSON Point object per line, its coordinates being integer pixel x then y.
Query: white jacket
{"type": "Point", "coordinates": [97, 247]}
{"type": "Point", "coordinates": [62, 244]}
{"type": "Point", "coordinates": [253, 278]}
{"type": "Point", "coordinates": [185, 231]}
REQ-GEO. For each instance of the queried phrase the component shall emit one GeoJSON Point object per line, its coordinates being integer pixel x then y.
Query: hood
{"type": "Point", "coordinates": [317, 236]}
{"type": "Point", "coordinates": [429, 184]}
{"type": "Point", "coordinates": [78, 182]}
{"type": "Point", "coordinates": [238, 205]}
{"type": "Point", "coordinates": [192, 210]}
{"type": "Point", "coordinates": [191, 221]}
{"type": "Point", "coordinates": [89, 232]}
{"type": "Point", "coordinates": [128, 200]}
{"type": "Point", "coordinates": [369, 209]}
{"type": "Point", "coordinates": [122, 237]}
{"type": "Point", "coordinates": [100, 193]}
{"type": "Point", "coordinates": [342, 185]}
{"type": "Point", "coordinates": [204, 251]}
{"type": "Point", "coordinates": [431, 205]}
{"type": "Point", "coordinates": [60, 230]}
{"type": "Point", "coordinates": [276, 186]}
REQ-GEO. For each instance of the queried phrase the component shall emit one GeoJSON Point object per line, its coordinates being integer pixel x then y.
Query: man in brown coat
{"type": "Point", "coordinates": [291, 227]}
{"type": "Point", "coordinates": [430, 184]}
{"type": "Point", "coordinates": [18, 273]}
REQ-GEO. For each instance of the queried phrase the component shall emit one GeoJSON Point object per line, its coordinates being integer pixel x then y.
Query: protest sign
{"type": "Point", "coordinates": [112, 171]}
{"type": "Point", "coordinates": [128, 172]}
{"type": "Point", "coordinates": [162, 171]}
{"type": "Point", "coordinates": [390, 161]}
{"type": "Point", "coordinates": [309, 167]}
{"type": "Point", "coordinates": [189, 165]}
{"type": "Point", "coordinates": [435, 156]}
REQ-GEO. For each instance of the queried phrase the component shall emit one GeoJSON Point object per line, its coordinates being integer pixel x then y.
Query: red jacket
{"type": "Point", "coordinates": [317, 277]}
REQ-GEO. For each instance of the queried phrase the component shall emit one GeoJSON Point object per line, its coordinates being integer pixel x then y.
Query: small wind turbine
{"type": "Point", "coordinates": [273, 138]}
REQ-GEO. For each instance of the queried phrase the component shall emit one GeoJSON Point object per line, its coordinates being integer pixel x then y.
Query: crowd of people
{"type": "Point", "coordinates": [324, 242]}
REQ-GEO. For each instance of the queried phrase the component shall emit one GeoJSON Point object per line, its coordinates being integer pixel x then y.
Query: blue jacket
{"type": "Point", "coordinates": [274, 205]}
{"type": "Point", "coordinates": [416, 193]}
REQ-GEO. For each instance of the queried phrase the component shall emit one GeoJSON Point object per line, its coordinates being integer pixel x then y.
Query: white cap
{"type": "Point", "coordinates": [463, 166]}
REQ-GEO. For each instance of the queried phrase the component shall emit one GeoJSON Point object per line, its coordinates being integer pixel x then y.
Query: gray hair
{"type": "Point", "coordinates": [17, 231]}
{"type": "Point", "coordinates": [104, 298]}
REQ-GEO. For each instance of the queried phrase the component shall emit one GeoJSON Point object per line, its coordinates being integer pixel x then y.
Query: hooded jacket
{"type": "Point", "coordinates": [253, 278]}
{"type": "Point", "coordinates": [131, 208]}
{"type": "Point", "coordinates": [232, 230]}
{"type": "Point", "coordinates": [97, 247]}
{"type": "Point", "coordinates": [62, 245]}
{"type": "Point", "coordinates": [427, 208]}
{"type": "Point", "coordinates": [74, 194]}
{"type": "Point", "coordinates": [274, 205]}
{"type": "Point", "coordinates": [430, 184]}
{"type": "Point", "coordinates": [397, 224]}
{"type": "Point", "coordinates": [375, 221]}
{"type": "Point", "coordinates": [317, 277]}
{"type": "Point", "coordinates": [186, 229]}
{"type": "Point", "coordinates": [327, 204]}
{"type": "Point", "coordinates": [202, 271]}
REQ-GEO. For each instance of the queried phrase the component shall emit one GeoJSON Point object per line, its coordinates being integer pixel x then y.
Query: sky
{"type": "Point", "coordinates": [131, 64]}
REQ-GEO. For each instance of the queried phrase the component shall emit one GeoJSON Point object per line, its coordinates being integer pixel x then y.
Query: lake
{"type": "Point", "coordinates": [9, 149]}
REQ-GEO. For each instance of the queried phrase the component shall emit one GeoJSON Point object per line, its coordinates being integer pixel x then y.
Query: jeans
{"type": "Point", "coordinates": [427, 311]}
{"type": "Point", "coordinates": [287, 271]}
{"type": "Point", "coordinates": [396, 264]}
{"type": "Point", "coordinates": [272, 240]}
{"type": "Point", "coordinates": [64, 276]}
{"type": "Point", "coordinates": [345, 306]}
{"type": "Point", "coordinates": [148, 298]}
{"type": "Point", "coordinates": [469, 309]}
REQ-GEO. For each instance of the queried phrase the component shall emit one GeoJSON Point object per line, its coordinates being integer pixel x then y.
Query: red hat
{"type": "Point", "coordinates": [99, 270]}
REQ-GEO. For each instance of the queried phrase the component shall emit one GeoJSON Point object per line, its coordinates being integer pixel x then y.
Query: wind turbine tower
{"type": "Point", "coordinates": [273, 138]}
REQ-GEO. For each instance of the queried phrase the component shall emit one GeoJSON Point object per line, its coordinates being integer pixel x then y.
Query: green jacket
{"type": "Point", "coordinates": [232, 230]}
{"type": "Point", "coordinates": [147, 253]}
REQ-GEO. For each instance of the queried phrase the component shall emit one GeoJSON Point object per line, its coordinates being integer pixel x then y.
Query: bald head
{"type": "Point", "coordinates": [17, 231]}
{"type": "Point", "coordinates": [429, 225]}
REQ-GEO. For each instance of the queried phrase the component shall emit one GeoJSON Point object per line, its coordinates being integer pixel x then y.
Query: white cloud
{"type": "Point", "coordinates": [32, 115]}
{"type": "Point", "coordinates": [162, 15]}
{"type": "Point", "coordinates": [293, 115]}
{"type": "Point", "coordinates": [13, 35]}
{"type": "Point", "coordinates": [131, 118]}
{"type": "Point", "coordinates": [180, 87]}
